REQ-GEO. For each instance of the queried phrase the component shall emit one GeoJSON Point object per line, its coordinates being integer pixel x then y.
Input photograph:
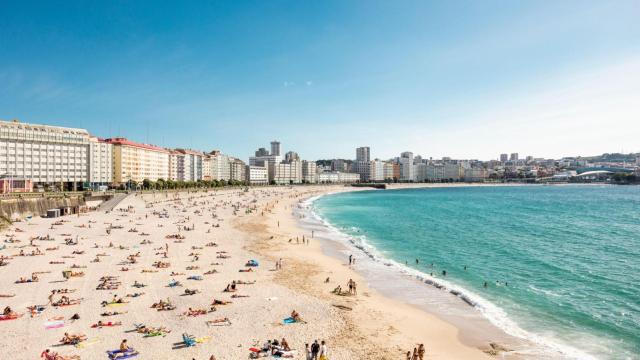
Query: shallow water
{"type": "Point", "coordinates": [560, 262]}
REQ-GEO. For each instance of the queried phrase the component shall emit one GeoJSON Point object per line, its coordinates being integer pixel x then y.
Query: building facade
{"type": "Point", "coordinates": [285, 173]}
{"type": "Point", "coordinates": [189, 165]}
{"type": "Point", "coordinates": [309, 172]}
{"type": "Point", "coordinates": [47, 155]}
{"type": "Point", "coordinates": [134, 161]}
{"type": "Point", "coordinates": [257, 175]}
{"type": "Point", "coordinates": [376, 170]}
{"type": "Point", "coordinates": [100, 162]}
{"type": "Point", "coordinates": [220, 166]}
{"type": "Point", "coordinates": [237, 169]}
{"type": "Point", "coordinates": [337, 177]}
{"type": "Point", "coordinates": [406, 166]}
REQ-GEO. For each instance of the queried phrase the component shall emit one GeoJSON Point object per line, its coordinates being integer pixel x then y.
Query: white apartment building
{"type": "Point", "coordinates": [47, 155]}
{"type": "Point", "coordinates": [264, 160]}
{"type": "Point", "coordinates": [446, 171]}
{"type": "Point", "coordinates": [134, 161]}
{"type": "Point", "coordinates": [237, 169]}
{"type": "Point", "coordinates": [257, 175]}
{"type": "Point", "coordinates": [309, 172]}
{"type": "Point", "coordinates": [376, 170]}
{"type": "Point", "coordinates": [189, 165]}
{"type": "Point", "coordinates": [336, 177]}
{"type": "Point", "coordinates": [407, 171]}
{"type": "Point", "coordinates": [173, 165]}
{"type": "Point", "coordinates": [100, 162]}
{"type": "Point", "coordinates": [286, 173]}
{"type": "Point", "coordinates": [220, 166]}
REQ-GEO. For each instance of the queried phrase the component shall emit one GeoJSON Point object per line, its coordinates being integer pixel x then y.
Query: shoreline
{"type": "Point", "coordinates": [409, 323]}
{"type": "Point", "coordinates": [476, 329]}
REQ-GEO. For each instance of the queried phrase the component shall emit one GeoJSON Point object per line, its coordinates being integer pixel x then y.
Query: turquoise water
{"type": "Point", "coordinates": [569, 255]}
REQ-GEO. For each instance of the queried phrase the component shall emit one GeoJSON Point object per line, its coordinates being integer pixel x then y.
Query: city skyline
{"type": "Point", "coordinates": [547, 80]}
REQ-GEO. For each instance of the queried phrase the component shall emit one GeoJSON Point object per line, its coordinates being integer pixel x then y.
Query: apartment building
{"type": "Point", "coordinates": [220, 166]}
{"type": "Point", "coordinates": [286, 173]}
{"type": "Point", "coordinates": [376, 170]}
{"type": "Point", "coordinates": [189, 165]}
{"type": "Point", "coordinates": [50, 156]}
{"type": "Point", "coordinates": [100, 162]}
{"type": "Point", "coordinates": [337, 177]}
{"type": "Point", "coordinates": [257, 175]}
{"type": "Point", "coordinates": [136, 161]}
{"type": "Point", "coordinates": [237, 169]}
{"type": "Point", "coordinates": [406, 166]}
{"type": "Point", "coordinates": [309, 172]}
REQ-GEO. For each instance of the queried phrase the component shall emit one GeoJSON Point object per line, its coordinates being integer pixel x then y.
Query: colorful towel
{"type": "Point", "coordinates": [53, 324]}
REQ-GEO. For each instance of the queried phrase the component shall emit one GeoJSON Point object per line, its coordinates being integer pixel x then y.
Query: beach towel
{"type": "Point", "coordinates": [128, 354]}
{"type": "Point", "coordinates": [9, 317]}
{"type": "Point", "coordinates": [289, 320]}
{"type": "Point", "coordinates": [153, 334]}
{"type": "Point", "coordinates": [84, 344]}
{"type": "Point", "coordinates": [116, 304]}
{"type": "Point", "coordinates": [53, 324]}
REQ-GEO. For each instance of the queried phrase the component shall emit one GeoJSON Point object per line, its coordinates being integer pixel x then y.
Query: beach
{"type": "Point", "coordinates": [208, 237]}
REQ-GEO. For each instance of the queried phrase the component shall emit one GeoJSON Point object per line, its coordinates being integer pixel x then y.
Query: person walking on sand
{"type": "Point", "coordinates": [421, 351]}
{"type": "Point", "coordinates": [307, 352]}
{"type": "Point", "coordinates": [323, 352]}
{"type": "Point", "coordinates": [315, 348]}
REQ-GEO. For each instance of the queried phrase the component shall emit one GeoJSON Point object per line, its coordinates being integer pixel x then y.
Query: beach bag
{"type": "Point", "coordinates": [322, 357]}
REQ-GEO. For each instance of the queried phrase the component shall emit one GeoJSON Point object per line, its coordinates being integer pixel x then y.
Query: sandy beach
{"type": "Point", "coordinates": [205, 239]}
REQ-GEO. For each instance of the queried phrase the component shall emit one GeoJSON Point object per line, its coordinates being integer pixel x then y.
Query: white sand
{"type": "Point", "coordinates": [376, 328]}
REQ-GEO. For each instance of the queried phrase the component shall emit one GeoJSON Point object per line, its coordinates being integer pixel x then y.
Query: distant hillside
{"type": "Point", "coordinates": [614, 157]}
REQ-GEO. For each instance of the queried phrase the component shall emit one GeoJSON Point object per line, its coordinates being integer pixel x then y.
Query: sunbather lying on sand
{"type": "Point", "coordinates": [163, 305]}
{"type": "Point", "coordinates": [195, 312]}
{"type": "Point", "coordinates": [191, 292]}
{"type": "Point", "coordinates": [218, 321]}
{"type": "Point", "coordinates": [100, 324]}
{"type": "Point", "coordinates": [72, 339]}
{"type": "Point", "coordinates": [50, 355]}
{"type": "Point", "coordinates": [8, 311]}
{"type": "Point", "coordinates": [113, 313]}
{"type": "Point", "coordinates": [221, 302]}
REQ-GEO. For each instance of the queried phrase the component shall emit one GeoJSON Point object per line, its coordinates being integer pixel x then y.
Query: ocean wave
{"type": "Point", "coordinates": [496, 315]}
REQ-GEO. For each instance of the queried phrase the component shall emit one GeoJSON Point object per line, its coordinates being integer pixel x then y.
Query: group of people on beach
{"type": "Point", "coordinates": [418, 353]}
{"type": "Point", "coordinates": [317, 351]}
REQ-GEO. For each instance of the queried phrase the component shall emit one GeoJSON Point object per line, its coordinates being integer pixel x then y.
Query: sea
{"type": "Point", "coordinates": [557, 266]}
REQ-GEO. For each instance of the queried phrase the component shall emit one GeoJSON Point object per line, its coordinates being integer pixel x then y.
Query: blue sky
{"type": "Point", "coordinates": [440, 78]}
